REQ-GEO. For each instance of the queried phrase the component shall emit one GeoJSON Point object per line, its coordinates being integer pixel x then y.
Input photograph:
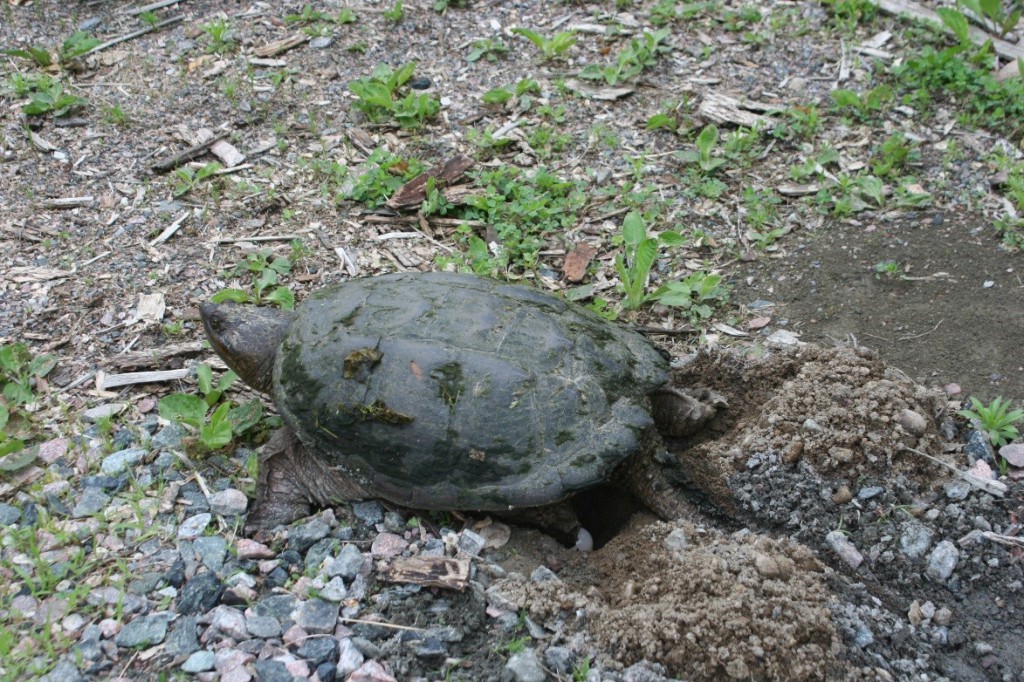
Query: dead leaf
{"type": "Point", "coordinates": [576, 262]}
{"type": "Point", "coordinates": [413, 193]}
{"type": "Point", "coordinates": [758, 323]}
{"type": "Point", "coordinates": [606, 94]}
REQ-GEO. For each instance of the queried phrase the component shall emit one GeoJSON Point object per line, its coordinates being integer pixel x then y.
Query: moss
{"type": "Point", "coordinates": [450, 383]}
{"type": "Point", "coordinates": [359, 362]}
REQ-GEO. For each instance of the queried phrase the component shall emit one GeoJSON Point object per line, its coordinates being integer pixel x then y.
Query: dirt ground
{"type": "Point", "coordinates": [825, 542]}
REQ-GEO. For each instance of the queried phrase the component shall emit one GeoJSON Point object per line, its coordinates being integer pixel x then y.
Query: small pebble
{"type": "Point", "coordinates": [942, 561]}
{"type": "Point", "coordinates": [842, 547]}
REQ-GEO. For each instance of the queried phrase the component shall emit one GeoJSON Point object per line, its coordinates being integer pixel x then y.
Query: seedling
{"type": "Point", "coordinates": [266, 272]}
{"type": "Point", "coordinates": [640, 252]}
{"type": "Point", "coordinates": [307, 16]}
{"type": "Point", "coordinates": [698, 295]}
{"type": "Point", "coordinates": [889, 269]}
{"type": "Point", "coordinates": [19, 374]}
{"type": "Point", "coordinates": [486, 48]}
{"type": "Point", "coordinates": [396, 13]}
{"type": "Point", "coordinates": [188, 179]}
{"type": "Point", "coordinates": [377, 97]}
{"type": "Point", "coordinates": [521, 93]}
{"type": "Point", "coordinates": [219, 33]}
{"type": "Point", "coordinates": [893, 154]}
{"type": "Point", "coordinates": [217, 428]}
{"type": "Point", "coordinates": [996, 419]}
{"type": "Point", "coordinates": [550, 48]}
{"type": "Point", "coordinates": [631, 61]}
{"type": "Point", "coordinates": [864, 106]}
{"type": "Point", "coordinates": [702, 156]}
{"type": "Point", "coordinates": [75, 45]}
{"type": "Point", "coordinates": [48, 97]}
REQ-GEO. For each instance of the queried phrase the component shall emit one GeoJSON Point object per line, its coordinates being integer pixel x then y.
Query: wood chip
{"type": "Point", "coordinates": [921, 13]}
{"type": "Point", "coordinates": [412, 193]}
{"type": "Point", "coordinates": [105, 381]}
{"type": "Point", "coordinates": [788, 189]}
{"type": "Point", "coordinates": [606, 94]}
{"type": "Point", "coordinates": [22, 274]}
{"type": "Point", "coordinates": [720, 108]}
{"type": "Point", "coordinates": [428, 571]}
{"type": "Point", "coordinates": [66, 202]}
{"type": "Point", "coordinates": [279, 46]}
{"type": "Point", "coordinates": [157, 356]}
{"type": "Point", "coordinates": [575, 266]}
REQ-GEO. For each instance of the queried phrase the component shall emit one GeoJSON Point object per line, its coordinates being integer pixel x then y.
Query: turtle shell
{"type": "Point", "coordinates": [452, 391]}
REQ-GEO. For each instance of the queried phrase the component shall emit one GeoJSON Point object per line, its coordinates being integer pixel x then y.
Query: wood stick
{"type": "Point", "coordinates": [130, 36]}
{"type": "Point", "coordinates": [977, 36]}
{"type": "Point", "coordinates": [149, 8]}
{"type": "Point", "coordinates": [178, 158]}
{"type": "Point", "coordinates": [130, 378]}
{"type": "Point", "coordinates": [156, 356]}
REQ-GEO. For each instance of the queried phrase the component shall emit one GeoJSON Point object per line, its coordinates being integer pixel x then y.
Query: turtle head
{"type": "Point", "coordinates": [247, 339]}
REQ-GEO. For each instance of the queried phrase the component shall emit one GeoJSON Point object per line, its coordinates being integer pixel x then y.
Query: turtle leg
{"type": "Point", "coordinates": [680, 412]}
{"type": "Point", "coordinates": [655, 478]}
{"type": "Point", "coordinates": [291, 481]}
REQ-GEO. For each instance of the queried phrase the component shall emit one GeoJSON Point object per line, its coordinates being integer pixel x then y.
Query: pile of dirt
{"type": "Point", "coordinates": [874, 564]}
{"type": "Point", "coordinates": [702, 603]}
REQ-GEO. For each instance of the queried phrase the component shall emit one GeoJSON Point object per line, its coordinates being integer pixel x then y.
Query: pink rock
{"type": "Point", "coordinates": [53, 449]}
{"type": "Point", "coordinates": [1013, 453]}
{"type": "Point", "coordinates": [371, 671]}
{"type": "Point", "coordinates": [387, 545]}
{"type": "Point", "coordinates": [294, 635]}
{"type": "Point", "coordinates": [250, 549]}
{"type": "Point", "coordinates": [952, 389]}
{"type": "Point", "coordinates": [981, 470]}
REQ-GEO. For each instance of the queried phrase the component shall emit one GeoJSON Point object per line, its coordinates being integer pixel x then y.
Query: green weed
{"type": "Point", "coordinates": [632, 60]}
{"type": "Point", "coordinates": [266, 272]}
{"type": "Point", "coordinates": [996, 419]}
{"type": "Point", "coordinates": [551, 48]}
{"type": "Point", "coordinates": [217, 426]}
{"type": "Point", "coordinates": [378, 98]}
{"type": "Point", "coordinates": [187, 179]}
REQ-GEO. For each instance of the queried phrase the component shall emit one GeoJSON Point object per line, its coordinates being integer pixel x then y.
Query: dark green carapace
{"type": "Point", "coordinates": [451, 391]}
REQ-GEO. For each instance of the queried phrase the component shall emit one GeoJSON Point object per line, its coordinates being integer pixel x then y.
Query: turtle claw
{"type": "Point", "coordinates": [680, 412]}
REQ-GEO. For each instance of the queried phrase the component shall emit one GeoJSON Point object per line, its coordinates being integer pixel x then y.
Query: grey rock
{"type": "Point", "coordinates": [327, 672]}
{"type": "Point", "coordinates": [394, 522]}
{"type": "Point", "coordinates": [334, 590]}
{"type": "Point", "coordinates": [559, 659]}
{"type": "Point", "coordinates": [544, 574]}
{"type": "Point", "coordinates": [144, 631]}
{"type": "Point", "coordinates": [317, 616]}
{"type": "Point", "coordinates": [812, 426]}
{"type": "Point", "coordinates": [844, 549]}
{"type": "Point", "coordinates": [319, 650]}
{"type": "Point", "coordinates": [94, 414]}
{"type": "Point", "coordinates": [145, 583]}
{"type": "Point", "coordinates": [869, 492]}
{"type": "Point", "coordinates": [93, 500]}
{"type": "Point", "coordinates": [64, 671]}
{"type": "Point", "coordinates": [198, 662]}
{"type": "Point", "coordinates": [957, 490]}
{"type": "Point", "coordinates": [125, 438]}
{"type": "Point", "coordinates": [279, 606]}
{"type": "Point", "coordinates": [913, 423]}
{"type": "Point", "coordinates": [321, 42]}
{"type": "Point", "coordinates": [9, 514]}
{"type": "Point", "coordinates": [184, 638]}
{"type": "Point", "coordinates": [942, 561]}
{"type": "Point", "coordinates": [471, 543]}
{"type": "Point", "coordinates": [122, 460]}
{"type": "Point", "coordinates": [676, 540]}
{"type": "Point", "coordinates": [229, 621]}
{"type": "Point", "coordinates": [211, 550]}
{"type": "Point", "coordinates": [524, 667]}
{"type": "Point", "coordinates": [347, 563]}
{"type": "Point", "coordinates": [230, 502]}
{"type": "Point", "coordinates": [978, 447]}
{"type": "Point", "coordinates": [264, 627]}
{"type": "Point", "coordinates": [194, 526]}
{"type": "Point", "coordinates": [301, 538]}
{"type": "Point", "coordinates": [272, 671]}
{"type": "Point", "coordinates": [367, 648]}
{"type": "Point", "coordinates": [916, 539]}
{"type": "Point", "coordinates": [349, 658]}
{"type": "Point", "coordinates": [200, 594]}
{"type": "Point", "coordinates": [369, 513]}
{"type": "Point", "coordinates": [431, 647]}
{"type": "Point", "coordinates": [319, 552]}
{"type": "Point", "coordinates": [169, 437]}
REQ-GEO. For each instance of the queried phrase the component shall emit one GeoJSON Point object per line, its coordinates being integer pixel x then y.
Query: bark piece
{"type": "Point", "coordinates": [575, 267]}
{"type": "Point", "coordinates": [719, 108]}
{"type": "Point", "coordinates": [279, 46]}
{"type": "Point", "coordinates": [444, 572]}
{"type": "Point", "coordinates": [413, 193]}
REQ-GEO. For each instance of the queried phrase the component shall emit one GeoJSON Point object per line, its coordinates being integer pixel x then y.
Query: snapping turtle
{"type": "Point", "coordinates": [450, 391]}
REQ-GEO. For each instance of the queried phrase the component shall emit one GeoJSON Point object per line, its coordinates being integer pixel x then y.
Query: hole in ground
{"type": "Point", "coordinates": [604, 511]}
